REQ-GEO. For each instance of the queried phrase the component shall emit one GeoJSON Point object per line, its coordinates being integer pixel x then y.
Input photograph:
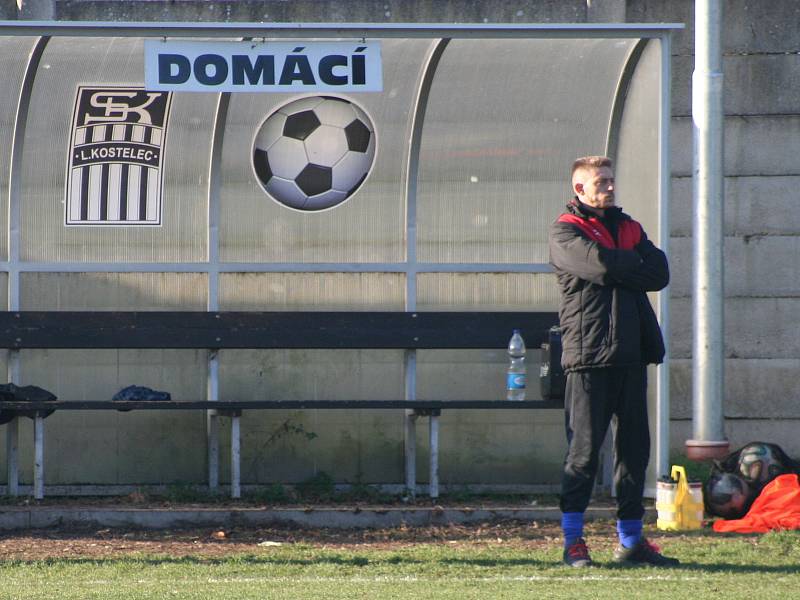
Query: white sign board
{"type": "Point", "coordinates": [116, 156]}
{"type": "Point", "coordinates": [184, 66]}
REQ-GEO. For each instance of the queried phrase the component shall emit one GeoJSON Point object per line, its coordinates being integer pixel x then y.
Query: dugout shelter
{"type": "Point", "coordinates": [475, 129]}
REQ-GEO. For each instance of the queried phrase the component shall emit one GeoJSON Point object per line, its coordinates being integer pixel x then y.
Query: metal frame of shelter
{"type": "Point", "coordinates": [442, 33]}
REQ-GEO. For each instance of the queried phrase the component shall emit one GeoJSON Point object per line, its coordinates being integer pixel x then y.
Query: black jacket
{"type": "Point", "coordinates": [604, 269]}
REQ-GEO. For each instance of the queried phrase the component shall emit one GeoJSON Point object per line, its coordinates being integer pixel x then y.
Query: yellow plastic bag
{"type": "Point", "coordinates": [679, 503]}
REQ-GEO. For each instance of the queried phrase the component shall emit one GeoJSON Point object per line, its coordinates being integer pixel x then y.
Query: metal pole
{"type": "Point", "coordinates": [410, 437]}
{"type": "Point", "coordinates": [410, 423]}
{"type": "Point", "coordinates": [236, 483]}
{"type": "Point", "coordinates": [433, 487]}
{"type": "Point", "coordinates": [212, 302]}
{"type": "Point", "coordinates": [410, 356]}
{"type": "Point", "coordinates": [38, 457]}
{"type": "Point", "coordinates": [212, 421]}
{"type": "Point", "coordinates": [338, 30]}
{"type": "Point", "coordinates": [12, 456]}
{"type": "Point", "coordinates": [708, 299]}
{"type": "Point", "coordinates": [14, 227]}
{"type": "Point", "coordinates": [12, 427]}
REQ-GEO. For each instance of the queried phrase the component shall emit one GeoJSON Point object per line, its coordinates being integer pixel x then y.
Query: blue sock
{"type": "Point", "coordinates": [630, 532]}
{"type": "Point", "coordinates": [572, 526]}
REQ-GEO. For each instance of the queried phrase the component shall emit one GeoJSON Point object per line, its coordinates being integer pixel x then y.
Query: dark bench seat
{"type": "Point", "coordinates": [213, 331]}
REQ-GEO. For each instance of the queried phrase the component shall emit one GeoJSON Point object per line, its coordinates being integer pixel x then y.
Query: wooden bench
{"type": "Point", "coordinates": [214, 331]}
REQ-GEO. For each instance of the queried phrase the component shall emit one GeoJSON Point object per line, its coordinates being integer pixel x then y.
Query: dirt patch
{"type": "Point", "coordinates": [98, 543]}
{"type": "Point", "coordinates": [215, 543]}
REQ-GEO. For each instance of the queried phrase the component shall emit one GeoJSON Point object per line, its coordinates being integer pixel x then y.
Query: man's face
{"type": "Point", "coordinates": [595, 186]}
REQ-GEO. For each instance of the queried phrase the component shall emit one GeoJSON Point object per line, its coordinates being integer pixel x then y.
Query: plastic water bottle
{"type": "Point", "coordinates": [516, 376]}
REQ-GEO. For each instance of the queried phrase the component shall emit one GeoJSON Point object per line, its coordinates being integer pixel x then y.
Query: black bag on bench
{"type": "Point", "coordinates": [140, 393]}
{"type": "Point", "coordinates": [552, 380]}
{"type": "Point", "coordinates": [28, 393]}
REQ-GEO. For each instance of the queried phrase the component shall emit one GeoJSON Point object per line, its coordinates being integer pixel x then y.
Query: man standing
{"type": "Point", "coordinates": [604, 265]}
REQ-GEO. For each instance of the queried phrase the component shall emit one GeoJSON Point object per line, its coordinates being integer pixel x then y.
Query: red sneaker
{"type": "Point", "coordinates": [577, 554]}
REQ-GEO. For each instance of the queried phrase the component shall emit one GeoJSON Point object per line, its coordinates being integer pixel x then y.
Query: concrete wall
{"type": "Point", "coordinates": [761, 69]}
{"type": "Point", "coordinates": [762, 169]}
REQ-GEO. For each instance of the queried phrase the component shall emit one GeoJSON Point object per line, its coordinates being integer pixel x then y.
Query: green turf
{"type": "Point", "coordinates": [714, 566]}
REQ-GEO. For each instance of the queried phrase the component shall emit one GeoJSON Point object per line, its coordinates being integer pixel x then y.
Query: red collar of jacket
{"type": "Point", "coordinates": [629, 232]}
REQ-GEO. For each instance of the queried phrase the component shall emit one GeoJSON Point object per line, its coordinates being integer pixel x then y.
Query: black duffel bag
{"type": "Point", "coordinates": [28, 393]}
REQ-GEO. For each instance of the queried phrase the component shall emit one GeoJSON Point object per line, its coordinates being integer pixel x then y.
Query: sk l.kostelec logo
{"type": "Point", "coordinates": [114, 170]}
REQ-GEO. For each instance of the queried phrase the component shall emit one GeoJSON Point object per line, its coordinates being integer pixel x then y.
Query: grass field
{"type": "Point", "coordinates": [453, 566]}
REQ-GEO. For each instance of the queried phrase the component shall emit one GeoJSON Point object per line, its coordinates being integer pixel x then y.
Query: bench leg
{"type": "Point", "coordinates": [12, 456]}
{"type": "Point", "coordinates": [12, 428]}
{"type": "Point", "coordinates": [236, 485]}
{"type": "Point", "coordinates": [38, 457]}
{"type": "Point", "coordinates": [433, 487]}
{"type": "Point", "coordinates": [212, 421]}
{"type": "Point", "coordinates": [212, 436]}
{"type": "Point", "coordinates": [411, 453]}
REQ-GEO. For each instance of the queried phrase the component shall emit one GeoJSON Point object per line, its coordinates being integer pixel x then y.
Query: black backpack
{"type": "Point", "coordinates": [552, 380]}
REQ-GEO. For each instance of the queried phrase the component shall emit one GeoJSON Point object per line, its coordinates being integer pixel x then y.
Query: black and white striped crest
{"type": "Point", "coordinates": [114, 172]}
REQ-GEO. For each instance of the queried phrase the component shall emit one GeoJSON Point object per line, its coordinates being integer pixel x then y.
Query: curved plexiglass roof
{"type": "Point", "coordinates": [504, 121]}
{"type": "Point", "coordinates": [475, 138]}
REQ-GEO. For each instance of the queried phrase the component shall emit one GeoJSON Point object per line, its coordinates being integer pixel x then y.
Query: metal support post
{"type": "Point", "coordinates": [410, 422]}
{"type": "Point", "coordinates": [708, 351]}
{"type": "Point", "coordinates": [12, 431]}
{"type": "Point", "coordinates": [433, 487]}
{"type": "Point", "coordinates": [12, 456]}
{"type": "Point", "coordinates": [212, 421]}
{"type": "Point", "coordinates": [236, 484]}
{"type": "Point", "coordinates": [38, 457]}
{"type": "Point", "coordinates": [411, 453]}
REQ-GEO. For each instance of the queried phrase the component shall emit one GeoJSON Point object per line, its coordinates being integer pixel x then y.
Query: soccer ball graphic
{"type": "Point", "coordinates": [315, 152]}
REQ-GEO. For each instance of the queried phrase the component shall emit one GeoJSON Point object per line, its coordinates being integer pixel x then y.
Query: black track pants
{"type": "Point", "coordinates": [593, 399]}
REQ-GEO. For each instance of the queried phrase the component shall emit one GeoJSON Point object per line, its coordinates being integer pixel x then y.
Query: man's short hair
{"type": "Point", "coordinates": [591, 162]}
